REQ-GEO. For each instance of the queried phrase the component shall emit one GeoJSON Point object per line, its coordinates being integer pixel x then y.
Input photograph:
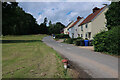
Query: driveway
{"type": "Point", "coordinates": [94, 63]}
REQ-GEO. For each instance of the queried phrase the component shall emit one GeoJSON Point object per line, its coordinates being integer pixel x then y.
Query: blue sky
{"type": "Point", "coordinates": [59, 11]}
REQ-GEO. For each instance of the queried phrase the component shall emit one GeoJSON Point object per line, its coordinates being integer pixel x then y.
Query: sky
{"type": "Point", "coordinates": [63, 11]}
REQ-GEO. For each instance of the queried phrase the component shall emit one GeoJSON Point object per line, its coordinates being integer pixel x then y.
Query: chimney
{"type": "Point", "coordinates": [95, 9]}
{"type": "Point", "coordinates": [78, 17]}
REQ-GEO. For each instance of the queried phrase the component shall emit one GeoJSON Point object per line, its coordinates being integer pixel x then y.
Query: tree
{"type": "Point", "coordinates": [113, 15]}
{"type": "Point", "coordinates": [43, 27]}
{"type": "Point", "coordinates": [55, 28]}
{"type": "Point", "coordinates": [50, 27]}
{"type": "Point", "coordinates": [16, 22]}
{"type": "Point", "coordinates": [50, 23]}
{"type": "Point", "coordinates": [45, 20]}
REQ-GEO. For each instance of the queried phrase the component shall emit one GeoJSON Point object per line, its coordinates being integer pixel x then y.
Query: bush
{"type": "Point", "coordinates": [90, 42]}
{"type": "Point", "coordinates": [108, 41]}
{"type": "Point", "coordinates": [60, 36]}
{"type": "Point", "coordinates": [69, 41]}
{"type": "Point", "coordinates": [79, 42]}
{"type": "Point", "coordinates": [80, 38]}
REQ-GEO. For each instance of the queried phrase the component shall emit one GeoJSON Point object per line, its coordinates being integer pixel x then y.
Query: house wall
{"type": "Point", "coordinates": [76, 29]}
{"type": "Point", "coordinates": [66, 29]}
{"type": "Point", "coordinates": [99, 23]}
{"type": "Point", "coordinates": [85, 30]}
{"type": "Point", "coordinates": [71, 32]}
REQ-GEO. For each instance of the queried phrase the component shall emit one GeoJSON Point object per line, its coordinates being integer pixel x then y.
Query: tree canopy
{"type": "Point", "coordinates": [55, 28]}
{"type": "Point", "coordinates": [15, 21]}
{"type": "Point", "coordinates": [113, 15]}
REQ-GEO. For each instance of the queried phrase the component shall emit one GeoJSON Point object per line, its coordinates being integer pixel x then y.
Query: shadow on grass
{"type": "Point", "coordinates": [19, 41]}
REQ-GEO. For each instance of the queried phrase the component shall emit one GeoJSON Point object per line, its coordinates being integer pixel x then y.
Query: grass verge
{"type": "Point", "coordinates": [28, 57]}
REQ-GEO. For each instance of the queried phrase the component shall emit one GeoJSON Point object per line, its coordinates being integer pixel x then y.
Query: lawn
{"type": "Point", "coordinates": [28, 57]}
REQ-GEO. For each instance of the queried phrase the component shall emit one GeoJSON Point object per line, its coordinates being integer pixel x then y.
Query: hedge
{"type": "Point", "coordinates": [73, 40]}
{"type": "Point", "coordinates": [108, 41]}
{"type": "Point", "coordinates": [59, 36]}
{"type": "Point", "coordinates": [68, 40]}
{"type": "Point", "coordinates": [79, 42]}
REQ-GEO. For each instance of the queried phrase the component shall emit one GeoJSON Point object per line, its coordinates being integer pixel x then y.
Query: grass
{"type": "Point", "coordinates": [28, 57]}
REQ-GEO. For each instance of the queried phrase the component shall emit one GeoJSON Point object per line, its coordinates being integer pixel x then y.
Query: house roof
{"type": "Point", "coordinates": [78, 19]}
{"type": "Point", "coordinates": [69, 23]}
{"type": "Point", "coordinates": [91, 16]}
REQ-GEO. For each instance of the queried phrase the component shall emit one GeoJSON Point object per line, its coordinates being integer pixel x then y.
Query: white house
{"type": "Point", "coordinates": [66, 29]}
{"type": "Point", "coordinates": [73, 29]}
{"type": "Point", "coordinates": [93, 23]}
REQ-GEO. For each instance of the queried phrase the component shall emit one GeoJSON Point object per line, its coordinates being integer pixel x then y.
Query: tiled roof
{"type": "Point", "coordinates": [75, 22]}
{"type": "Point", "coordinates": [91, 16]}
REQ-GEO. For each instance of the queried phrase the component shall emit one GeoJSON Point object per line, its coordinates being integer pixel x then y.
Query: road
{"type": "Point", "coordinates": [94, 63]}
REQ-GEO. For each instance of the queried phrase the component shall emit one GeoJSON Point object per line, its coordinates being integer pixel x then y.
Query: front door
{"type": "Point", "coordinates": [89, 35]}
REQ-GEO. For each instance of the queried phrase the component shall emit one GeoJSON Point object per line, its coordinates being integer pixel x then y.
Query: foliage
{"type": "Point", "coordinates": [108, 41]}
{"type": "Point", "coordinates": [68, 40]}
{"type": "Point", "coordinates": [59, 36]}
{"type": "Point", "coordinates": [55, 28]}
{"type": "Point", "coordinates": [79, 42]}
{"type": "Point", "coordinates": [113, 15]}
{"type": "Point", "coordinates": [43, 28]}
{"type": "Point", "coordinates": [90, 42]}
{"type": "Point", "coordinates": [16, 22]}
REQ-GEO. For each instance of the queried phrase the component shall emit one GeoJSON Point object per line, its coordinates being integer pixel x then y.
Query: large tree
{"type": "Point", "coordinates": [55, 28]}
{"type": "Point", "coordinates": [113, 15]}
{"type": "Point", "coordinates": [43, 27]}
{"type": "Point", "coordinates": [15, 21]}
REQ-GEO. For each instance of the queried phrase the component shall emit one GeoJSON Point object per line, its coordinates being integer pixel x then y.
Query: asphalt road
{"type": "Point", "coordinates": [94, 63]}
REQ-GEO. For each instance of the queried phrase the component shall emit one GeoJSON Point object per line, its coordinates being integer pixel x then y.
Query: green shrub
{"type": "Point", "coordinates": [80, 38]}
{"type": "Point", "coordinates": [108, 41]}
{"type": "Point", "coordinates": [90, 42]}
{"type": "Point", "coordinates": [72, 40]}
{"type": "Point", "coordinates": [79, 42]}
{"type": "Point", "coordinates": [69, 41]}
{"type": "Point", "coordinates": [60, 36]}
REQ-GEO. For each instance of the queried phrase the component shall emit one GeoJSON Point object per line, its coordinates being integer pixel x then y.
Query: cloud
{"type": "Point", "coordinates": [62, 0]}
{"type": "Point", "coordinates": [59, 11]}
{"type": "Point", "coordinates": [39, 18]}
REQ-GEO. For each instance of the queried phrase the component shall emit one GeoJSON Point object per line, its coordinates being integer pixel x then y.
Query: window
{"type": "Point", "coordinates": [81, 35]}
{"type": "Point", "coordinates": [86, 35]}
{"type": "Point", "coordinates": [76, 29]}
{"type": "Point", "coordinates": [106, 25]}
{"type": "Point", "coordinates": [89, 35]}
{"type": "Point", "coordinates": [86, 25]}
{"type": "Point", "coordinates": [82, 28]}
